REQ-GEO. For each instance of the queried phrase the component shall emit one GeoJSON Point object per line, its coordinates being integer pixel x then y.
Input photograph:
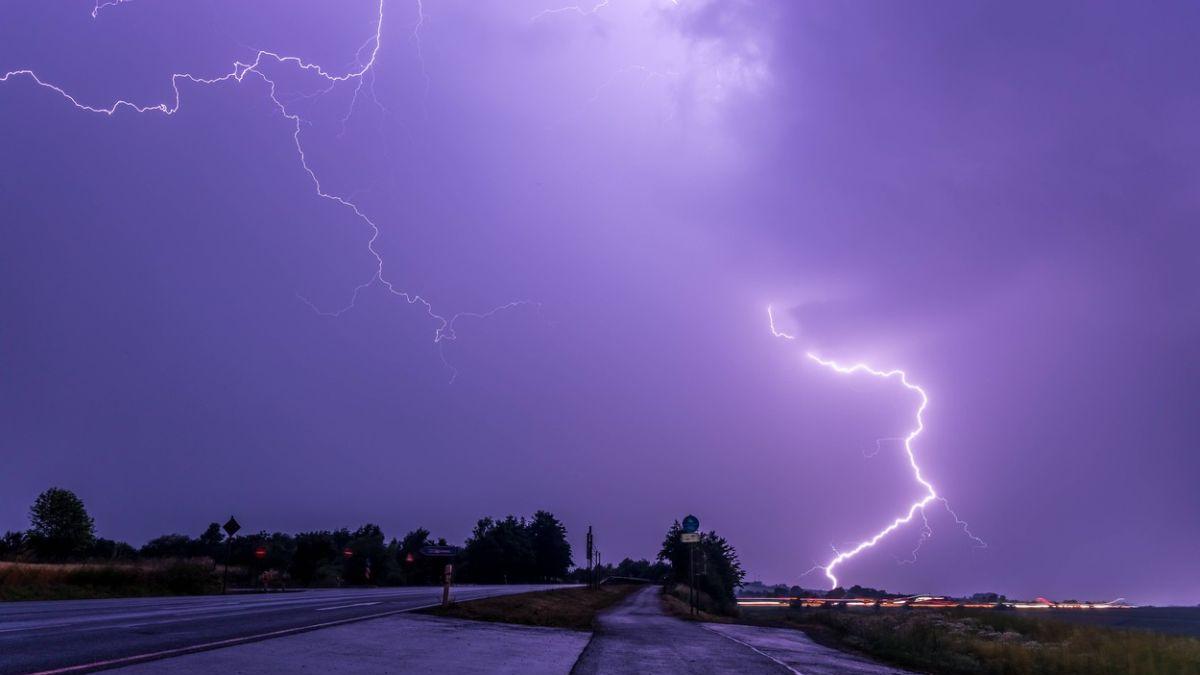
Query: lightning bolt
{"type": "Point", "coordinates": [647, 74]}
{"type": "Point", "coordinates": [917, 507]}
{"type": "Point", "coordinates": [577, 9]}
{"type": "Point", "coordinates": [571, 8]}
{"type": "Point", "coordinates": [102, 4]}
{"type": "Point", "coordinates": [444, 325]}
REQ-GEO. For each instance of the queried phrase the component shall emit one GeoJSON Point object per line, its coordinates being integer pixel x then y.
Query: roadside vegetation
{"type": "Point", "coordinates": [675, 603]}
{"type": "Point", "coordinates": [63, 581]}
{"type": "Point", "coordinates": [61, 557]}
{"type": "Point", "coordinates": [571, 608]}
{"type": "Point", "coordinates": [718, 572]}
{"type": "Point", "coordinates": [987, 642]}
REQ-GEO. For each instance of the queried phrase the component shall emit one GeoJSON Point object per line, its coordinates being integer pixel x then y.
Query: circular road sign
{"type": "Point", "coordinates": [260, 552]}
{"type": "Point", "coordinates": [691, 523]}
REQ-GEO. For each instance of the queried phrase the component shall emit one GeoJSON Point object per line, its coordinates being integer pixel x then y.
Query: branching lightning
{"type": "Point", "coordinates": [102, 4]}
{"type": "Point", "coordinates": [576, 9]}
{"type": "Point", "coordinates": [362, 72]}
{"type": "Point", "coordinates": [571, 8]}
{"type": "Point", "coordinates": [917, 507]}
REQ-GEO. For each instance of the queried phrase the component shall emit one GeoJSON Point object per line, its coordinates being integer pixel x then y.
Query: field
{"type": "Point", "coordinates": [989, 642]}
{"type": "Point", "coordinates": [573, 608]}
{"type": "Point", "coordinates": [38, 581]}
{"type": "Point", "coordinates": [1171, 620]}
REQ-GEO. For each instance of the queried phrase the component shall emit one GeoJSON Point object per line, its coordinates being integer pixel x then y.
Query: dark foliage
{"type": "Point", "coordinates": [514, 550]}
{"type": "Point", "coordinates": [718, 570]}
{"type": "Point", "coordinates": [655, 572]}
{"type": "Point", "coordinates": [60, 527]}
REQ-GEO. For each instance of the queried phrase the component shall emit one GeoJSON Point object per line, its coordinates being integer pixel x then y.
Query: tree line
{"type": "Point", "coordinates": [508, 550]}
{"type": "Point", "coordinates": [499, 550]}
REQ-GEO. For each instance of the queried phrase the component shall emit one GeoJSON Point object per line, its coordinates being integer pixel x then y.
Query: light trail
{"type": "Point", "coordinates": [237, 74]}
{"type": "Point", "coordinates": [918, 506]}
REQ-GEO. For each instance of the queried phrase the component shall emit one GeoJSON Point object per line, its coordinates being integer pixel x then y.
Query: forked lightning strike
{"type": "Point", "coordinates": [445, 324]}
{"type": "Point", "coordinates": [917, 506]}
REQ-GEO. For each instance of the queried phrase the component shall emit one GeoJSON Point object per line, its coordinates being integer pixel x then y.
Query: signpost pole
{"type": "Point", "coordinates": [689, 534]}
{"type": "Point", "coordinates": [231, 527]}
{"type": "Point", "coordinates": [443, 551]}
{"type": "Point", "coordinates": [225, 571]}
{"type": "Point", "coordinates": [691, 571]}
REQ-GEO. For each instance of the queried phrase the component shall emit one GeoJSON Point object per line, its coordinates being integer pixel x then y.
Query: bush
{"type": "Point", "coordinates": [32, 581]}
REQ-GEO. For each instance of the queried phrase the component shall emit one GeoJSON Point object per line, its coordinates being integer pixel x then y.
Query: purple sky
{"type": "Point", "coordinates": [999, 198]}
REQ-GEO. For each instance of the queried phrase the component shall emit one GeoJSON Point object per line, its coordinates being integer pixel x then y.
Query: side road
{"type": "Point", "coordinates": [637, 637]}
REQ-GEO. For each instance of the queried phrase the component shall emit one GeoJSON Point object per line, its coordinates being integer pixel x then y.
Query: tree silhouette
{"type": "Point", "coordinates": [60, 526]}
{"type": "Point", "coordinates": [551, 550]}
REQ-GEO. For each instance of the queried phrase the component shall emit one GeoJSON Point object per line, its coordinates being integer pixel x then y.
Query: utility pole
{"type": "Point", "coordinates": [591, 581]}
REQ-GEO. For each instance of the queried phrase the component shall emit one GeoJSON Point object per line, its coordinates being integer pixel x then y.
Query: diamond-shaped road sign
{"type": "Point", "coordinates": [232, 526]}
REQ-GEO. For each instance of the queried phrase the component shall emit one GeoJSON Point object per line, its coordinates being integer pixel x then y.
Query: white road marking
{"type": "Point", "coordinates": [747, 644]}
{"type": "Point", "coordinates": [357, 604]}
{"type": "Point", "coordinates": [220, 643]}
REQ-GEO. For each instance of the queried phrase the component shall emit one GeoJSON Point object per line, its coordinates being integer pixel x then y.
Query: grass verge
{"type": "Point", "coordinates": [988, 642]}
{"type": "Point", "coordinates": [37, 581]}
{"type": "Point", "coordinates": [573, 608]}
{"type": "Point", "coordinates": [675, 603]}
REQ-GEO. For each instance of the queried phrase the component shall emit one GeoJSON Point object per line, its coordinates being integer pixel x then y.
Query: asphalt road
{"type": "Point", "coordinates": [73, 636]}
{"type": "Point", "coordinates": [637, 637]}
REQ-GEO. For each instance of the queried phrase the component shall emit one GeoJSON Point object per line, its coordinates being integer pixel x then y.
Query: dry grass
{"type": "Point", "coordinates": [675, 603]}
{"type": "Point", "coordinates": [39, 581]}
{"type": "Point", "coordinates": [573, 608]}
{"type": "Point", "coordinates": [987, 642]}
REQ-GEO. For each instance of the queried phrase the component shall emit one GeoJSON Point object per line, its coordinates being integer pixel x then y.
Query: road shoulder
{"type": "Point", "coordinates": [798, 652]}
{"type": "Point", "coordinates": [398, 644]}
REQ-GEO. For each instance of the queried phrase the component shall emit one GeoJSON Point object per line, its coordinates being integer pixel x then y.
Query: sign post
{"type": "Point", "coordinates": [231, 528]}
{"type": "Point", "coordinates": [691, 537]}
{"type": "Point", "coordinates": [448, 571]}
{"type": "Point", "coordinates": [260, 553]}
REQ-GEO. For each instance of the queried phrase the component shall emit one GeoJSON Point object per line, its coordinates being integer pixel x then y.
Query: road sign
{"type": "Point", "coordinates": [347, 553]}
{"type": "Point", "coordinates": [232, 526]}
{"type": "Point", "coordinates": [689, 537]}
{"type": "Point", "coordinates": [447, 575]}
{"type": "Point", "coordinates": [260, 552]}
{"type": "Point", "coordinates": [691, 523]}
{"type": "Point", "coordinates": [439, 551]}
